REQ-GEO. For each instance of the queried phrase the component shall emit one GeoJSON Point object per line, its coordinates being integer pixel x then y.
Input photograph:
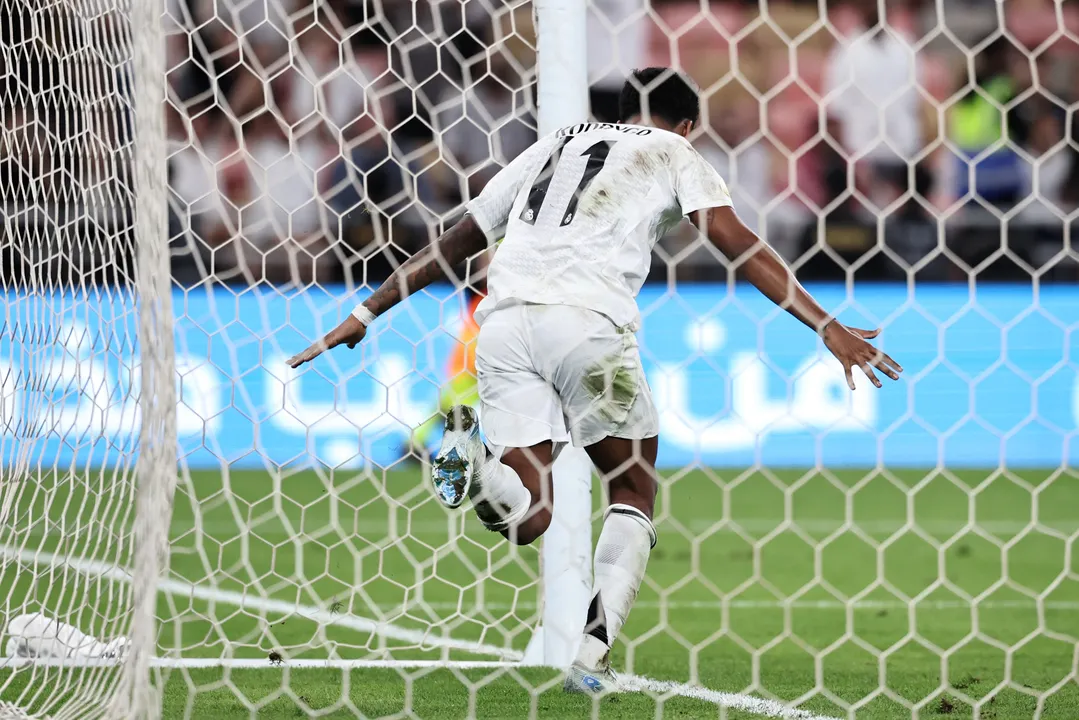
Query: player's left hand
{"type": "Point", "coordinates": [348, 333]}
{"type": "Point", "coordinates": [851, 348]}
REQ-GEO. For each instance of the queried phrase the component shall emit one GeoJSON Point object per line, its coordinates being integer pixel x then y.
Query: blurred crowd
{"type": "Point", "coordinates": [340, 137]}
{"type": "Point", "coordinates": [932, 138]}
{"type": "Point", "coordinates": [325, 140]}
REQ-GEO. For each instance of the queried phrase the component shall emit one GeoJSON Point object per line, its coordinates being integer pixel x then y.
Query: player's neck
{"type": "Point", "coordinates": [639, 120]}
{"type": "Point", "coordinates": [653, 123]}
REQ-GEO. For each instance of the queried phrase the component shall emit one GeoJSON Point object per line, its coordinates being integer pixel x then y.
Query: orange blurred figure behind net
{"type": "Point", "coordinates": [460, 387]}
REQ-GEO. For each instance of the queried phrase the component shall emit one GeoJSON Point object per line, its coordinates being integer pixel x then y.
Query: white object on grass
{"type": "Point", "coordinates": [36, 635]}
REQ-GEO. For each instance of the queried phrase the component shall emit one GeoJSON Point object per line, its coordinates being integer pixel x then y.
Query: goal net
{"type": "Point", "coordinates": [192, 191]}
{"type": "Point", "coordinates": [88, 446]}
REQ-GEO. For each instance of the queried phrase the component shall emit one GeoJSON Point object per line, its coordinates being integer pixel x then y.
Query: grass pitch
{"type": "Point", "coordinates": [873, 589]}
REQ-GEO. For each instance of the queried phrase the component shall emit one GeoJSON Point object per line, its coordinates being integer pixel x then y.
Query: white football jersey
{"type": "Point", "coordinates": [580, 211]}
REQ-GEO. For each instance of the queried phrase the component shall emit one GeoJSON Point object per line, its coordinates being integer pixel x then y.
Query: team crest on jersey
{"type": "Point", "coordinates": [529, 215]}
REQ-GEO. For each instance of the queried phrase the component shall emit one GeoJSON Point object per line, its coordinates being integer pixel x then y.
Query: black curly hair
{"type": "Point", "coordinates": [670, 96]}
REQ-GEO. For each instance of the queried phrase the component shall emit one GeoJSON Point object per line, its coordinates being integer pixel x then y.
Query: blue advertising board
{"type": "Point", "coordinates": [989, 378]}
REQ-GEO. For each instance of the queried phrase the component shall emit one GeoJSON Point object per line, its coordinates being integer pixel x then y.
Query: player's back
{"type": "Point", "coordinates": [582, 210]}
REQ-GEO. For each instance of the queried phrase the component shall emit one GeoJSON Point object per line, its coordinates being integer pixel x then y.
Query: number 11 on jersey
{"type": "Point", "coordinates": [597, 157]}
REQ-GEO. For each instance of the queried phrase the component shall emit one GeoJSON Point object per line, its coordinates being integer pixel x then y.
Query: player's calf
{"type": "Point", "coordinates": [621, 558]}
{"type": "Point", "coordinates": [515, 496]}
{"type": "Point", "coordinates": [622, 551]}
{"type": "Point", "coordinates": [503, 502]}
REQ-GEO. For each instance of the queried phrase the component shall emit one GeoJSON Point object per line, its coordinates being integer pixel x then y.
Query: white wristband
{"type": "Point", "coordinates": [364, 315]}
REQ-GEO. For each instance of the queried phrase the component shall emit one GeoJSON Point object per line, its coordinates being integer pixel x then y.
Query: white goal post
{"type": "Point", "coordinates": [562, 79]}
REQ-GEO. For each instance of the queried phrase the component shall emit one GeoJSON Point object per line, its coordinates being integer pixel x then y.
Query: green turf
{"type": "Point", "coordinates": [812, 587]}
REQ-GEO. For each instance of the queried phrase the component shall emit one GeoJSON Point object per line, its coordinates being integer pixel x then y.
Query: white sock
{"type": "Point", "coordinates": [500, 498]}
{"type": "Point", "coordinates": [625, 542]}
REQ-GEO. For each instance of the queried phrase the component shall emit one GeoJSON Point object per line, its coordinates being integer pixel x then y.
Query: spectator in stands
{"type": "Point", "coordinates": [279, 236]}
{"type": "Point", "coordinates": [743, 158]}
{"type": "Point", "coordinates": [872, 102]}
{"type": "Point", "coordinates": [197, 150]}
{"type": "Point", "coordinates": [326, 83]}
{"type": "Point", "coordinates": [184, 70]}
{"type": "Point", "coordinates": [19, 134]}
{"type": "Point", "coordinates": [482, 129]}
{"type": "Point", "coordinates": [245, 42]}
{"type": "Point", "coordinates": [1047, 183]}
{"type": "Point", "coordinates": [976, 125]}
{"type": "Point", "coordinates": [1045, 178]}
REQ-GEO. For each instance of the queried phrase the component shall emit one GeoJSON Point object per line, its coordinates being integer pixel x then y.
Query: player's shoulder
{"type": "Point", "coordinates": [677, 153]}
{"type": "Point", "coordinates": [541, 146]}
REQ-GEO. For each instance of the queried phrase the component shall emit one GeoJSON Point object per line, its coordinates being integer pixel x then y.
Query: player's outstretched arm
{"type": "Point", "coordinates": [767, 271]}
{"type": "Point", "coordinates": [433, 263]}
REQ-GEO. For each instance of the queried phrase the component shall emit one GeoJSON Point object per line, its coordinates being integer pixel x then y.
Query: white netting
{"type": "Point", "coordinates": [905, 551]}
{"type": "Point", "coordinates": [88, 432]}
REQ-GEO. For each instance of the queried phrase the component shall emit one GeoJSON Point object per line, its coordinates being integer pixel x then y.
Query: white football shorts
{"type": "Point", "coordinates": [560, 373]}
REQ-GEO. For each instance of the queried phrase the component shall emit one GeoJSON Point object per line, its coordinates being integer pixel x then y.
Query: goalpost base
{"type": "Point", "coordinates": [534, 653]}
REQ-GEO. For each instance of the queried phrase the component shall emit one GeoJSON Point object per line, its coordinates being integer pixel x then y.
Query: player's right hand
{"type": "Point", "coordinates": [851, 348]}
{"type": "Point", "coordinates": [349, 333]}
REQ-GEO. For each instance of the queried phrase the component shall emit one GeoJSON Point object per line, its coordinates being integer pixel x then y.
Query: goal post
{"type": "Point", "coordinates": [155, 468]}
{"type": "Point", "coordinates": [562, 90]}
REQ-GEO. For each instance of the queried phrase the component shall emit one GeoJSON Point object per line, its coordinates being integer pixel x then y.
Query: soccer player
{"type": "Point", "coordinates": [557, 358]}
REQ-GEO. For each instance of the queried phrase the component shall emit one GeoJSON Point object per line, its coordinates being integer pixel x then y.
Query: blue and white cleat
{"type": "Point", "coordinates": [458, 457]}
{"type": "Point", "coordinates": [580, 679]}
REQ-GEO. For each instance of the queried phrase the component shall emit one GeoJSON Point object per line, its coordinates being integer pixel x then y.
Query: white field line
{"type": "Point", "coordinates": [860, 605]}
{"type": "Point", "coordinates": [381, 531]}
{"type": "Point", "coordinates": [180, 588]}
{"type": "Point", "coordinates": [190, 663]}
{"type": "Point", "coordinates": [734, 701]}
{"type": "Point", "coordinates": [630, 683]}
{"type": "Point", "coordinates": [232, 597]}
{"type": "Point", "coordinates": [698, 526]}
